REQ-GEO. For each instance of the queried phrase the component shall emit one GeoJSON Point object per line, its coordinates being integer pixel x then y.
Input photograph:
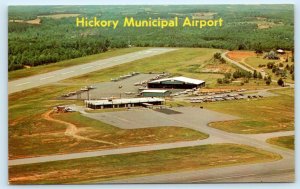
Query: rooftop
{"type": "Point", "coordinates": [154, 91]}
{"type": "Point", "coordinates": [124, 101]}
{"type": "Point", "coordinates": [182, 79]}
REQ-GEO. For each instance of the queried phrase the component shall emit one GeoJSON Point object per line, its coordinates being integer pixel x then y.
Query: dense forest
{"type": "Point", "coordinates": [54, 38]}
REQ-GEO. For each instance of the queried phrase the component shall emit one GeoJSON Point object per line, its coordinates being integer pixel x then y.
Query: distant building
{"type": "Point", "coordinates": [280, 51]}
{"type": "Point", "coordinates": [155, 93]}
{"type": "Point", "coordinates": [176, 83]}
{"type": "Point", "coordinates": [123, 102]}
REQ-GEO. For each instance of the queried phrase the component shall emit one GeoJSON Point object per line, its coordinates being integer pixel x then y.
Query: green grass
{"type": "Point", "coordinates": [265, 115]}
{"type": "Point", "coordinates": [67, 63]}
{"type": "Point", "coordinates": [256, 61]}
{"type": "Point", "coordinates": [97, 169]}
{"type": "Point", "coordinates": [284, 141]}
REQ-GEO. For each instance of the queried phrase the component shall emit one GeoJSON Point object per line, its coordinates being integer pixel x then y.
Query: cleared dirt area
{"type": "Point", "coordinates": [240, 56]}
{"type": "Point", "coordinates": [103, 168]}
{"type": "Point", "coordinates": [71, 129]}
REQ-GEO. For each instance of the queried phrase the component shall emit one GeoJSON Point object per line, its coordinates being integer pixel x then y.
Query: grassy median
{"type": "Point", "coordinates": [284, 141]}
{"type": "Point", "coordinates": [97, 169]}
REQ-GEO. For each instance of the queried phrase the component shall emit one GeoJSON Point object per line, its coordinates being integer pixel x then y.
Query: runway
{"type": "Point", "coordinates": [274, 171]}
{"type": "Point", "coordinates": [54, 76]}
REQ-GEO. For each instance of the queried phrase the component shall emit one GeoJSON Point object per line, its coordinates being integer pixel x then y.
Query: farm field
{"type": "Point", "coordinates": [103, 168]}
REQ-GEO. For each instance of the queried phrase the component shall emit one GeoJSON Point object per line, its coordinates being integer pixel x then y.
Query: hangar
{"type": "Point", "coordinates": [123, 102]}
{"type": "Point", "coordinates": [176, 83]}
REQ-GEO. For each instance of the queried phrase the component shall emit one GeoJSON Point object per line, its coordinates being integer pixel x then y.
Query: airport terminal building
{"type": "Point", "coordinates": [176, 83]}
{"type": "Point", "coordinates": [123, 102]}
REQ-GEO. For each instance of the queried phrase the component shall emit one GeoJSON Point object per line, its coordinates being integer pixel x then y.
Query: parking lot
{"type": "Point", "coordinates": [124, 88]}
{"type": "Point", "coordinates": [189, 117]}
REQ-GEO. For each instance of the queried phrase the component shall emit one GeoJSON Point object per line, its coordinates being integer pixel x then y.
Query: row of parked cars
{"type": "Point", "coordinates": [185, 92]}
{"type": "Point", "coordinates": [222, 97]}
{"type": "Point", "coordinates": [220, 92]}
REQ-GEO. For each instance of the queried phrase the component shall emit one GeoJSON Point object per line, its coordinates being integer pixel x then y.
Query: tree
{"type": "Point", "coordinates": [270, 65]}
{"type": "Point", "coordinates": [255, 74]}
{"type": "Point", "coordinates": [225, 80]}
{"type": "Point", "coordinates": [280, 82]}
{"type": "Point", "coordinates": [220, 81]}
{"type": "Point", "coordinates": [259, 75]}
{"type": "Point", "coordinates": [258, 48]}
{"type": "Point", "coordinates": [228, 75]}
{"type": "Point", "coordinates": [269, 80]}
{"type": "Point", "coordinates": [222, 60]}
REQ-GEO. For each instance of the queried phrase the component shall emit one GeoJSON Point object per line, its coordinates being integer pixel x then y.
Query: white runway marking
{"type": "Point", "coordinates": [67, 72]}
{"type": "Point", "coordinates": [87, 67]}
{"type": "Point", "coordinates": [46, 77]}
{"type": "Point", "coordinates": [22, 83]}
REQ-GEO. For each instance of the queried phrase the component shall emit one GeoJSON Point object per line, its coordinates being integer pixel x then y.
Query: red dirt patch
{"type": "Point", "coordinates": [240, 55]}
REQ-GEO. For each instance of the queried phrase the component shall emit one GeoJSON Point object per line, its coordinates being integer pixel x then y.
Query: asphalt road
{"type": "Point", "coordinates": [54, 76]}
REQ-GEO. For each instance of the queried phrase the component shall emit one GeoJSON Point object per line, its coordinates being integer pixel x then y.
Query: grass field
{"type": "Point", "coordinates": [284, 141]}
{"type": "Point", "coordinates": [255, 61]}
{"type": "Point", "coordinates": [97, 169]}
{"type": "Point", "coordinates": [258, 116]}
{"type": "Point", "coordinates": [66, 63]}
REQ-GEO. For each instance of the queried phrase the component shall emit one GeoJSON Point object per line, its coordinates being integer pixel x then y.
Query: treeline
{"type": "Point", "coordinates": [59, 39]}
{"type": "Point", "coordinates": [39, 52]}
